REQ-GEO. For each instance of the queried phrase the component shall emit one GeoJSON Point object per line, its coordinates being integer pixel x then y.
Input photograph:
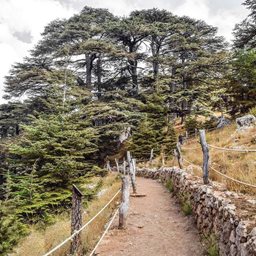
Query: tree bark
{"type": "Point", "coordinates": [76, 221]}
{"type": "Point", "coordinates": [99, 74]}
{"type": "Point", "coordinates": [123, 210]}
{"type": "Point", "coordinates": [205, 150]}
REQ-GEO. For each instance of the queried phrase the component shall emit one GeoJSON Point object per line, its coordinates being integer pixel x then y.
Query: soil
{"type": "Point", "coordinates": [156, 226]}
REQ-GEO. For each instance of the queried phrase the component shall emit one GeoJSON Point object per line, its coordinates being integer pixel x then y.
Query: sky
{"type": "Point", "coordinates": [22, 21]}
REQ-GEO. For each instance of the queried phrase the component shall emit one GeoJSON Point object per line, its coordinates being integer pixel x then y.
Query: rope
{"type": "Point", "coordinates": [190, 148]}
{"type": "Point", "coordinates": [224, 175]}
{"type": "Point", "coordinates": [235, 180]}
{"type": "Point", "coordinates": [105, 232]}
{"type": "Point", "coordinates": [84, 226]}
{"type": "Point", "coordinates": [191, 163]}
{"type": "Point", "coordinates": [232, 149]}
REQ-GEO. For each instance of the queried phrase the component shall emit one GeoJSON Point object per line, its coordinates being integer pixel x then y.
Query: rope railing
{"type": "Point", "coordinates": [83, 227]}
{"type": "Point", "coordinates": [224, 175]}
{"type": "Point", "coordinates": [233, 149]}
{"type": "Point", "coordinates": [105, 232]}
{"type": "Point", "coordinates": [186, 148]}
{"type": "Point", "coordinates": [234, 180]}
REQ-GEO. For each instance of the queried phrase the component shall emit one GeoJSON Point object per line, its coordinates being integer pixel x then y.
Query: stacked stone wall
{"type": "Point", "coordinates": [231, 217]}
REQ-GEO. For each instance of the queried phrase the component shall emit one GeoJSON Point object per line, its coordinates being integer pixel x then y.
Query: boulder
{"type": "Point", "coordinates": [222, 122]}
{"type": "Point", "coordinates": [245, 122]}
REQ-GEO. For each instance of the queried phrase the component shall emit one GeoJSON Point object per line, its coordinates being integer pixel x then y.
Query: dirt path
{"type": "Point", "coordinates": [156, 227]}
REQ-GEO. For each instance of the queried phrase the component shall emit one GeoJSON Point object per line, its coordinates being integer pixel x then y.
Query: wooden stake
{"type": "Point", "coordinates": [151, 156]}
{"type": "Point", "coordinates": [131, 171]}
{"type": "Point", "coordinates": [108, 166]}
{"type": "Point", "coordinates": [124, 167]}
{"type": "Point", "coordinates": [124, 206]}
{"type": "Point", "coordinates": [178, 155]}
{"type": "Point", "coordinates": [117, 165]}
{"type": "Point", "coordinates": [205, 150]}
{"type": "Point", "coordinates": [76, 221]}
{"type": "Point", "coordinates": [134, 176]}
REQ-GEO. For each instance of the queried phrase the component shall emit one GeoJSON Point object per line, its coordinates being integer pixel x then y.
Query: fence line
{"type": "Point", "coordinates": [105, 232]}
{"type": "Point", "coordinates": [230, 178]}
{"type": "Point", "coordinates": [84, 226]}
{"type": "Point", "coordinates": [190, 148]}
{"type": "Point", "coordinates": [224, 175]}
{"type": "Point", "coordinates": [233, 149]}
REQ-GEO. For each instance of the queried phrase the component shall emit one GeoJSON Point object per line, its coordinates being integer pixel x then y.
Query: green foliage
{"type": "Point", "coordinates": [169, 140]}
{"type": "Point", "coordinates": [211, 245]}
{"type": "Point", "coordinates": [169, 185]}
{"type": "Point", "coordinates": [11, 229]}
{"type": "Point", "coordinates": [242, 85]}
{"type": "Point", "coordinates": [186, 206]}
{"type": "Point", "coordinates": [253, 111]}
{"type": "Point", "coordinates": [246, 30]}
{"type": "Point", "coordinates": [87, 81]}
{"type": "Point", "coordinates": [57, 147]}
{"type": "Point", "coordinates": [191, 124]}
{"type": "Point", "coordinates": [143, 140]}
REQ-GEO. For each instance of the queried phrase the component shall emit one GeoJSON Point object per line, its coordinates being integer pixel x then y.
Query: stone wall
{"type": "Point", "coordinates": [228, 215]}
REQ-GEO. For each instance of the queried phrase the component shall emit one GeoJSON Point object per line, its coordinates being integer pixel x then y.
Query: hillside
{"type": "Point", "coordinates": [235, 164]}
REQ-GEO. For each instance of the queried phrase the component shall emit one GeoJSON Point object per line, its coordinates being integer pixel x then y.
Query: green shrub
{"type": "Point", "coordinates": [11, 231]}
{"type": "Point", "coordinates": [169, 185]}
{"type": "Point", "coordinates": [191, 124]}
{"type": "Point", "coordinates": [253, 111]}
{"type": "Point", "coordinates": [211, 242]}
{"type": "Point", "coordinates": [186, 206]}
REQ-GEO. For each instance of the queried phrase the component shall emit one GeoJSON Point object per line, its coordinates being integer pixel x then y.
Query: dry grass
{"type": "Point", "coordinates": [41, 241]}
{"type": "Point", "coordinates": [240, 166]}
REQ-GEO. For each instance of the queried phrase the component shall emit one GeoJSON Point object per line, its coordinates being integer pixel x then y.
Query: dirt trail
{"type": "Point", "coordinates": [156, 227]}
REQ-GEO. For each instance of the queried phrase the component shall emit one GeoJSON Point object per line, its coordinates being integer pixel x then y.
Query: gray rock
{"type": "Point", "coordinates": [223, 122]}
{"type": "Point", "coordinates": [245, 122]}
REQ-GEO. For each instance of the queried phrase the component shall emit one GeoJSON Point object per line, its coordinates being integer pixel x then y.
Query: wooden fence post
{"type": "Point", "coordinates": [108, 166]}
{"type": "Point", "coordinates": [117, 165]}
{"type": "Point", "coordinates": [76, 221]}
{"type": "Point", "coordinates": [205, 150]}
{"type": "Point", "coordinates": [178, 155]}
{"type": "Point", "coordinates": [123, 210]}
{"type": "Point", "coordinates": [124, 167]}
{"type": "Point", "coordinates": [196, 132]}
{"type": "Point", "coordinates": [151, 156]}
{"type": "Point", "coordinates": [131, 172]}
{"type": "Point", "coordinates": [134, 174]}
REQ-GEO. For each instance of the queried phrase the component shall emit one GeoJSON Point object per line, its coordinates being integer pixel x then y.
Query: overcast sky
{"type": "Point", "coordinates": [22, 21]}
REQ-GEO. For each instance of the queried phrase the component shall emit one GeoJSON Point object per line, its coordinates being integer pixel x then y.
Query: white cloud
{"type": "Point", "coordinates": [19, 16]}
{"type": "Point", "coordinates": [31, 16]}
{"type": "Point", "coordinates": [224, 19]}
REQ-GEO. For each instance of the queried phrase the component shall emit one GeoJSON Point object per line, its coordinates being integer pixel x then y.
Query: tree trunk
{"type": "Point", "coordinates": [76, 221]}
{"type": "Point", "coordinates": [99, 74]}
{"type": "Point", "coordinates": [134, 74]}
{"type": "Point", "coordinates": [88, 58]}
{"type": "Point", "coordinates": [155, 54]}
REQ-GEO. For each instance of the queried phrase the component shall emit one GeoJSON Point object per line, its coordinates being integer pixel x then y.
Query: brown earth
{"type": "Point", "coordinates": [155, 227]}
